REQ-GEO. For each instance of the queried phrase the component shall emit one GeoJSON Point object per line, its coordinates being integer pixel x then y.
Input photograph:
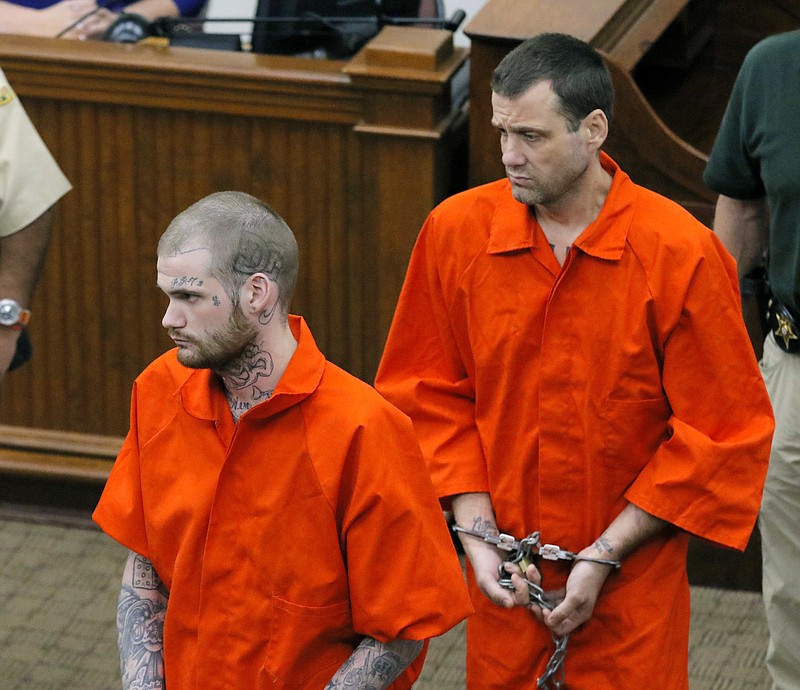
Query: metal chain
{"type": "Point", "coordinates": [554, 676]}
{"type": "Point", "coordinates": [521, 554]}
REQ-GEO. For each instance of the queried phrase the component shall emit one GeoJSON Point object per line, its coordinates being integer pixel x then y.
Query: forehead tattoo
{"type": "Point", "coordinates": [186, 281]}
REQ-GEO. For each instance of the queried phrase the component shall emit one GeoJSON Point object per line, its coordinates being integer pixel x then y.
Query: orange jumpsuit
{"type": "Point", "coordinates": [285, 538]}
{"type": "Point", "coordinates": [625, 376]}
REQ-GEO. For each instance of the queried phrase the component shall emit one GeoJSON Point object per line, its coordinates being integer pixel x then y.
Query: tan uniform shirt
{"type": "Point", "coordinates": [30, 179]}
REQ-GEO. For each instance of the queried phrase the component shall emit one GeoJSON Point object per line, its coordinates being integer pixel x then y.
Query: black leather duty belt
{"type": "Point", "coordinates": [784, 326]}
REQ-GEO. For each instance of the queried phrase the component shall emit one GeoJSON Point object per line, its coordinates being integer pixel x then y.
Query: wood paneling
{"type": "Point", "coordinates": [352, 156]}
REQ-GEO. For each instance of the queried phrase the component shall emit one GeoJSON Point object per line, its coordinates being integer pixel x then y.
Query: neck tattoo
{"type": "Point", "coordinates": [247, 381]}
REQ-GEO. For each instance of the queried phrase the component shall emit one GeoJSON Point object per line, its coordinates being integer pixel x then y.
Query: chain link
{"type": "Point", "coordinates": [521, 553]}
{"type": "Point", "coordinates": [554, 676]}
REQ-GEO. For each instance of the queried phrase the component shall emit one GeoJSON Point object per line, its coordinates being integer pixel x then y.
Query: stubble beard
{"type": "Point", "coordinates": [551, 190]}
{"type": "Point", "coordinates": [222, 349]}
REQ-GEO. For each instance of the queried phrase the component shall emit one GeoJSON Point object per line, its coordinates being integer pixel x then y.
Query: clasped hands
{"type": "Point", "coordinates": [572, 604]}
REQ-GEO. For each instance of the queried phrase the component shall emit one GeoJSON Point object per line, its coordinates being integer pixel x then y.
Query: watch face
{"type": "Point", "coordinates": [9, 312]}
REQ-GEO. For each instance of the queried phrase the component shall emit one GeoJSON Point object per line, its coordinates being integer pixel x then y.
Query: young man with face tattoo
{"type": "Point", "coordinates": [283, 530]}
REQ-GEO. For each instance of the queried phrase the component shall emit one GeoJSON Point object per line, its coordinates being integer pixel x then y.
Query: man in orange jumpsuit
{"type": "Point", "coordinates": [283, 528]}
{"type": "Point", "coordinates": [570, 348]}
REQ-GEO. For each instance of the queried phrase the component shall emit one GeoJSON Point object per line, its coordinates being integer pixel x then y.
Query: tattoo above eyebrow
{"type": "Point", "coordinates": [191, 251]}
{"type": "Point", "coordinates": [185, 281]}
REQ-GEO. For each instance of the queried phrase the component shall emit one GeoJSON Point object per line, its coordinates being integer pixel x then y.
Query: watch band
{"type": "Point", "coordinates": [22, 321]}
{"type": "Point", "coordinates": [12, 315]}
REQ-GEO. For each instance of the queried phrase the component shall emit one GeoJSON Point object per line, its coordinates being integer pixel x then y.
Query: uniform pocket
{"type": "Point", "coordinates": [305, 640]}
{"type": "Point", "coordinates": [633, 430]}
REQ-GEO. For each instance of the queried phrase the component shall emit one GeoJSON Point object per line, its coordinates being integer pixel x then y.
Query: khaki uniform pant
{"type": "Point", "coordinates": [779, 522]}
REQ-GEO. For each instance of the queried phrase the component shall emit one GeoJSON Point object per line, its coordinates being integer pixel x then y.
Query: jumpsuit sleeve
{"type": "Point", "coordinates": [120, 511]}
{"type": "Point", "coordinates": [708, 475]}
{"type": "Point", "coordinates": [423, 372]}
{"type": "Point", "coordinates": [404, 576]}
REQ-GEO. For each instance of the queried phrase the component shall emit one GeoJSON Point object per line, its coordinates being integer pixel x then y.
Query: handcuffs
{"type": "Point", "coordinates": [521, 552]}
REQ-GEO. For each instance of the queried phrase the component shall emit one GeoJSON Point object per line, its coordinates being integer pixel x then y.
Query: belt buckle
{"type": "Point", "coordinates": [784, 328]}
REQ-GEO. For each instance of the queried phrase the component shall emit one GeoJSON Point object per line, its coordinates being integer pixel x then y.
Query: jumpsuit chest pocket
{"type": "Point", "coordinates": [305, 640]}
{"type": "Point", "coordinates": [632, 430]}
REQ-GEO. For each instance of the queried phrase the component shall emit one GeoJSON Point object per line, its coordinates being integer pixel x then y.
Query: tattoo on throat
{"type": "Point", "coordinates": [249, 374]}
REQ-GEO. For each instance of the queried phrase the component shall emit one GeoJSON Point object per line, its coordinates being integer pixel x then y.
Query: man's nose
{"type": "Point", "coordinates": [511, 153]}
{"type": "Point", "coordinates": [173, 317]}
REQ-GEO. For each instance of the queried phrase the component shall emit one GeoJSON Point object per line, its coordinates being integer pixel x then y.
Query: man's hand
{"type": "Point", "coordinates": [49, 21]}
{"type": "Point", "coordinates": [22, 256]}
{"type": "Point", "coordinates": [486, 560]}
{"type": "Point", "coordinates": [629, 530]}
{"type": "Point", "coordinates": [575, 603]}
{"type": "Point", "coordinates": [474, 511]}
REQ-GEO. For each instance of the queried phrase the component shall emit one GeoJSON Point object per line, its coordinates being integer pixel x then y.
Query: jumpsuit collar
{"type": "Point", "coordinates": [202, 396]}
{"type": "Point", "coordinates": [514, 226]}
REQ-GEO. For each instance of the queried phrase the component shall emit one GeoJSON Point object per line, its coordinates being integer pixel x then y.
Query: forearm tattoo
{"type": "Point", "coordinates": [603, 545]}
{"type": "Point", "coordinates": [481, 524]}
{"type": "Point", "coordinates": [140, 625]}
{"type": "Point", "coordinates": [375, 665]}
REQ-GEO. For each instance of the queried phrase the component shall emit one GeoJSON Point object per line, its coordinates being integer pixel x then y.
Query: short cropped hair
{"type": "Point", "coordinates": [575, 70]}
{"type": "Point", "coordinates": [244, 235]}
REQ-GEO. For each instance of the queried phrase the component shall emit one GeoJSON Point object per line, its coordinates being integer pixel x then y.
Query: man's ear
{"type": "Point", "coordinates": [595, 125]}
{"type": "Point", "coordinates": [259, 294]}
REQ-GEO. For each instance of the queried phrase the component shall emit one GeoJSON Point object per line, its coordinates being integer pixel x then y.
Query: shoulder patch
{"type": "Point", "coordinates": [6, 95]}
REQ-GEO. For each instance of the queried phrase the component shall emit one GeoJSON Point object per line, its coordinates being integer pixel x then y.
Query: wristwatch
{"type": "Point", "coordinates": [12, 315]}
